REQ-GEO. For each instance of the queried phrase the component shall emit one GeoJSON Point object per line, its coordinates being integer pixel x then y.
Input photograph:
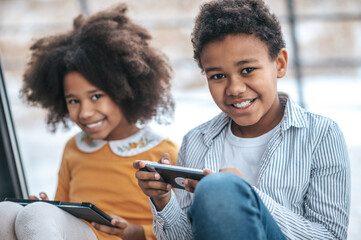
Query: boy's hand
{"type": "Point", "coordinates": [191, 184]}
{"type": "Point", "coordinates": [42, 195]}
{"type": "Point", "coordinates": [125, 229]}
{"type": "Point", "coordinates": [232, 170]}
{"type": "Point", "coordinates": [158, 191]}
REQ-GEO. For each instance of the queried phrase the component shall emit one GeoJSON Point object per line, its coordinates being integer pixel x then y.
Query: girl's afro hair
{"type": "Point", "coordinates": [113, 54]}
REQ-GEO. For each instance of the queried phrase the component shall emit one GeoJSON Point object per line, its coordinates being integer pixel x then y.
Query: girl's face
{"type": "Point", "coordinates": [242, 79]}
{"type": "Point", "coordinates": [94, 111]}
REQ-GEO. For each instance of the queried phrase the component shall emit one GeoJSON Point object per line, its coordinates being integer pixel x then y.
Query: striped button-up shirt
{"type": "Point", "coordinates": [304, 179]}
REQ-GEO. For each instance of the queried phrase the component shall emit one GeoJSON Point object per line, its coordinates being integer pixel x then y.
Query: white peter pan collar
{"type": "Point", "coordinates": [141, 141]}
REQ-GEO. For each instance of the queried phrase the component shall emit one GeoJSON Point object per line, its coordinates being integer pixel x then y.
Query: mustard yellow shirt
{"type": "Point", "coordinates": [102, 172]}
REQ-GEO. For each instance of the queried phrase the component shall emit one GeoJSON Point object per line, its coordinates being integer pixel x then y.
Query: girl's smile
{"type": "Point", "coordinates": [94, 127]}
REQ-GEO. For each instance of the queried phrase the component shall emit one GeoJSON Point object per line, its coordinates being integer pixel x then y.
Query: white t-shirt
{"type": "Point", "coordinates": [245, 154]}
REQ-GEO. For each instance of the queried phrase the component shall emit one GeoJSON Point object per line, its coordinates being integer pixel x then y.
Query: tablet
{"type": "Point", "coordinates": [85, 210]}
{"type": "Point", "coordinates": [174, 175]}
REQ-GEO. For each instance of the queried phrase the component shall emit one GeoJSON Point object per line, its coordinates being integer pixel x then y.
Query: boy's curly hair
{"type": "Point", "coordinates": [223, 17]}
{"type": "Point", "coordinates": [113, 54]}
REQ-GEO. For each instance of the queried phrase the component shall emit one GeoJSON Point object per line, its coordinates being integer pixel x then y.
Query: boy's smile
{"type": "Point", "coordinates": [242, 79]}
{"type": "Point", "coordinates": [94, 111]}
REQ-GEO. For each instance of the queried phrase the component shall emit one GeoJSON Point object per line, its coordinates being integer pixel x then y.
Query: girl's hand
{"type": "Point", "coordinates": [42, 195]}
{"type": "Point", "coordinates": [125, 229]}
{"type": "Point", "coordinates": [158, 191]}
{"type": "Point", "coordinates": [232, 170]}
{"type": "Point", "coordinates": [191, 184]}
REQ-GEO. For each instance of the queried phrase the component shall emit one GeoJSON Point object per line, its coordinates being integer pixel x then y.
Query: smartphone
{"type": "Point", "coordinates": [174, 175]}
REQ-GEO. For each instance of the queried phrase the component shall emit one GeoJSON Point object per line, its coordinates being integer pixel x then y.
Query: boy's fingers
{"type": "Point", "coordinates": [154, 185]}
{"type": "Point", "coordinates": [207, 171]}
{"type": "Point", "coordinates": [232, 170]}
{"type": "Point", "coordinates": [159, 185]}
{"type": "Point", "coordinates": [190, 184]}
{"type": "Point", "coordinates": [147, 176]}
{"type": "Point", "coordinates": [189, 189]}
{"type": "Point", "coordinates": [165, 159]}
{"type": "Point", "coordinates": [138, 164]}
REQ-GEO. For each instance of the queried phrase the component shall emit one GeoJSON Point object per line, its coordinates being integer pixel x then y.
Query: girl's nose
{"type": "Point", "coordinates": [235, 87]}
{"type": "Point", "coordinates": [86, 110]}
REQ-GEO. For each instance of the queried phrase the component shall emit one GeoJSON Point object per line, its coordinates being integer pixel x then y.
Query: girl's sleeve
{"type": "Point", "coordinates": [62, 191]}
{"type": "Point", "coordinates": [148, 232]}
{"type": "Point", "coordinates": [173, 152]}
{"type": "Point", "coordinates": [327, 200]}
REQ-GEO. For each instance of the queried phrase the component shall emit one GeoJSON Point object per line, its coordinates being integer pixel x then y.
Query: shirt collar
{"type": "Point", "coordinates": [294, 115]}
{"type": "Point", "coordinates": [139, 142]}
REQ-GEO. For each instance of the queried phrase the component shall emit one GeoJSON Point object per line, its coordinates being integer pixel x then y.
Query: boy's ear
{"type": "Point", "coordinates": [282, 63]}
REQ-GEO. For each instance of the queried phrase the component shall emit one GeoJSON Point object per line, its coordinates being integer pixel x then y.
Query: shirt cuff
{"type": "Point", "coordinates": [170, 213]}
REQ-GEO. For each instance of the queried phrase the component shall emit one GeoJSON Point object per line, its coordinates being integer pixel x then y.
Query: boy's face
{"type": "Point", "coordinates": [93, 110]}
{"type": "Point", "coordinates": [242, 79]}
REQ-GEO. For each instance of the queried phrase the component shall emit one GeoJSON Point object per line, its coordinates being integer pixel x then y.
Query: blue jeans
{"type": "Point", "coordinates": [226, 207]}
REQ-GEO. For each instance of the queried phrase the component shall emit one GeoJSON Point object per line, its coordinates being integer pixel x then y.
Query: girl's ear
{"type": "Point", "coordinates": [282, 61]}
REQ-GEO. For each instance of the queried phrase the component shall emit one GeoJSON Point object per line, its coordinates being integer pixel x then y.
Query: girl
{"type": "Point", "coordinates": [292, 169]}
{"type": "Point", "coordinates": [105, 77]}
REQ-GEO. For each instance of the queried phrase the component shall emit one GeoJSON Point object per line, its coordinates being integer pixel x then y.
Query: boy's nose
{"type": "Point", "coordinates": [235, 87]}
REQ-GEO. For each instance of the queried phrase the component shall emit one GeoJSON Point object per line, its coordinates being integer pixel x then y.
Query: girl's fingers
{"type": "Point", "coordinates": [119, 222]}
{"type": "Point", "coordinates": [43, 196]}
{"type": "Point", "coordinates": [119, 229]}
{"type": "Point", "coordinates": [107, 229]}
{"type": "Point", "coordinates": [33, 197]}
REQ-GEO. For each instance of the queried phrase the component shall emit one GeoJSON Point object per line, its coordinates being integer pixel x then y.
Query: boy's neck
{"type": "Point", "coordinates": [261, 127]}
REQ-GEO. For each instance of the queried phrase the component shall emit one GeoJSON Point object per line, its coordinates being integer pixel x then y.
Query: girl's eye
{"type": "Point", "coordinates": [96, 96]}
{"type": "Point", "coordinates": [217, 76]}
{"type": "Point", "coordinates": [247, 70]}
{"type": "Point", "coordinates": [73, 101]}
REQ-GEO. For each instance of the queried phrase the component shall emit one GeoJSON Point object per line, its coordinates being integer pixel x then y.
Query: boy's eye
{"type": "Point", "coordinates": [96, 96]}
{"type": "Point", "coordinates": [217, 76]}
{"type": "Point", "coordinates": [247, 70]}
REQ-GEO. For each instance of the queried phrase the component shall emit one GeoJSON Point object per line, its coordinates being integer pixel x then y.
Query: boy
{"type": "Point", "coordinates": [293, 164]}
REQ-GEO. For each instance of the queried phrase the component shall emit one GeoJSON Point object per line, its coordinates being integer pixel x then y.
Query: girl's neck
{"type": "Point", "coordinates": [127, 132]}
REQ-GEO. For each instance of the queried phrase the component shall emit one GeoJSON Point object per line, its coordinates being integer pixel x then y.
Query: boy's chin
{"type": "Point", "coordinates": [244, 122]}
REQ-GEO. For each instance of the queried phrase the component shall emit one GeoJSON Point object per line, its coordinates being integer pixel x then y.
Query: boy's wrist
{"type": "Point", "coordinates": [161, 201]}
